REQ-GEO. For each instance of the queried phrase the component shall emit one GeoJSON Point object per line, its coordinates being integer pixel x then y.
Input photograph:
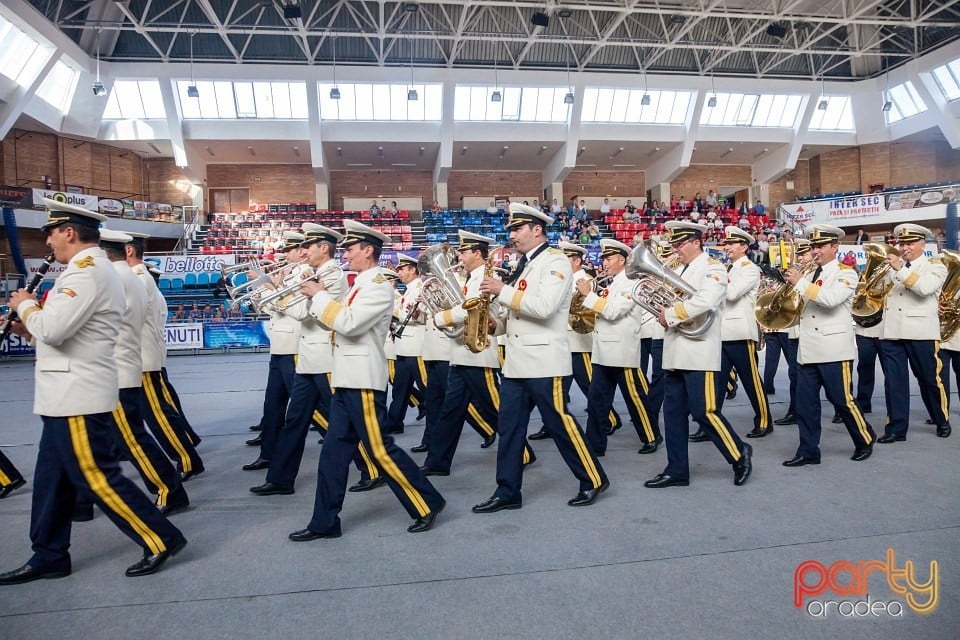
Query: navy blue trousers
{"type": "Point", "coordinates": [78, 453]}
{"type": "Point", "coordinates": [867, 351]}
{"type": "Point", "coordinates": [276, 400]}
{"type": "Point", "coordinates": [8, 473]}
{"type": "Point", "coordinates": [517, 395]}
{"type": "Point", "coordinates": [408, 371]}
{"type": "Point", "coordinates": [923, 359]}
{"type": "Point", "coordinates": [167, 424]}
{"type": "Point", "coordinates": [949, 359]}
{"type": "Point", "coordinates": [175, 399]}
{"type": "Point", "coordinates": [651, 353]}
{"type": "Point", "coordinates": [741, 356]}
{"type": "Point", "coordinates": [357, 416]}
{"type": "Point", "coordinates": [695, 393]}
{"type": "Point", "coordinates": [482, 416]}
{"type": "Point", "coordinates": [603, 387]}
{"type": "Point", "coordinates": [582, 375]}
{"type": "Point", "coordinates": [835, 379]}
{"type": "Point", "coordinates": [776, 342]}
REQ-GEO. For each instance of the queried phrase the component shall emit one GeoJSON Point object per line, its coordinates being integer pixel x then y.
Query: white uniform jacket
{"type": "Point", "coordinates": [153, 346]}
{"type": "Point", "coordinates": [616, 335]}
{"type": "Point", "coordinates": [683, 353]}
{"type": "Point", "coordinates": [128, 341]}
{"type": "Point", "coordinates": [74, 335]}
{"type": "Point", "coordinates": [536, 323]}
{"type": "Point", "coordinates": [315, 353]}
{"type": "Point", "coordinates": [910, 311]}
{"type": "Point", "coordinates": [284, 328]}
{"type": "Point", "coordinates": [650, 328]}
{"type": "Point", "coordinates": [826, 325]}
{"type": "Point", "coordinates": [360, 320]}
{"type": "Point", "coordinates": [579, 342]}
{"type": "Point", "coordinates": [411, 342]}
{"type": "Point", "coordinates": [460, 355]}
{"type": "Point", "coordinates": [739, 320]}
{"type": "Point", "coordinates": [389, 348]}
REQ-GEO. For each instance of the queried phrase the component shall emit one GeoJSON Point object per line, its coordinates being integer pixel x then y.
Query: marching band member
{"type": "Point", "coordinates": [167, 424]}
{"type": "Point", "coordinates": [616, 353]}
{"type": "Point", "coordinates": [651, 349]}
{"type": "Point", "coordinates": [359, 320]}
{"type": "Point", "coordinates": [949, 358]}
{"type": "Point", "coordinates": [283, 332]}
{"type": "Point", "coordinates": [390, 348]}
{"type": "Point", "coordinates": [10, 477]}
{"type": "Point", "coordinates": [868, 350]}
{"type": "Point", "coordinates": [76, 389]}
{"type": "Point", "coordinates": [911, 334]}
{"type": "Point", "coordinates": [409, 367]}
{"type": "Point", "coordinates": [691, 365]}
{"type": "Point", "coordinates": [537, 359]}
{"type": "Point", "coordinates": [827, 348]}
{"type": "Point", "coordinates": [739, 331]}
{"type": "Point", "coordinates": [792, 342]}
{"type": "Point", "coordinates": [472, 377]}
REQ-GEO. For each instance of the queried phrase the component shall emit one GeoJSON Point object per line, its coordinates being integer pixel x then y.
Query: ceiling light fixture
{"type": "Point", "coordinates": [568, 99]}
{"type": "Point", "coordinates": [98, 88]}
{"type": "Point", "coordinates": [824, 103]}
{"type": "Point", "coordinates": [580, 152]}
{"type": "Point", "coordinates": [542, 149]}
{"type": "Point", "coordinates": [726, 153]}
{"type": "Point", "coordinates": [334, 91]}
{"type": "Point", "coordinates": [645, 99]}
{"type": "Point", "coordinates": [411, 92]}
{"type": "Point", "coordinates": [887, 102]}
{"type": "Point", "coordinates": [496, 96]}
{"type": "Point", "coordinates": [564, 13]}
{"type": "Point", "coordinates": [192, 91]}
{"type": "Point", "coordinates": [411, 7]}
{"type": "Point", "coordinates": [712, 100]}
{"type": "Point", "coordinates": [776, 30]}
{"type": "Point", "coordinates": [463, 150]}
{"type": "Point", "coordinates": [296, 151]}
{"type": "Point", "coordinates": [252, 152]}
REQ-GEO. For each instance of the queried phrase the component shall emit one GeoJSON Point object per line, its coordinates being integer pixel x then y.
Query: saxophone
{"type": "Point", "coordinates": [475, 328]}
{"type": "Point", "coordinates": [582, 320]}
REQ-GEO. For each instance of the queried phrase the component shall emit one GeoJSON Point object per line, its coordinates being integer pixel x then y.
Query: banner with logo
{"type": "Point", "coordinates": [179, 265]}
{"type": "Point", "coordinates": [223, 335]}
{"type": "Point", "coordinates": [91, 203]}
{"type": "Point", "coordinates": [184, 336]}
{"type": "Point", "coordinates": [923, 198]}
{"type": "Point", "coordinates": [16, 197]}
{"type": "Point", "coordinates": [33, 265]}
{"type": "Point", "coordinates": [855, 208]}
{"type": "Point", "coordinates": [14, 345]}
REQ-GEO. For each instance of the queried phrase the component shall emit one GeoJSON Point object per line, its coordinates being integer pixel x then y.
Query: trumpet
{"type": "Point", "coordinates": [289, 294]}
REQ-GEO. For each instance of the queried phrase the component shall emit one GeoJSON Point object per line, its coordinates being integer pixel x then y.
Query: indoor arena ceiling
{"type": "Point", "coordinates": [808, 39]}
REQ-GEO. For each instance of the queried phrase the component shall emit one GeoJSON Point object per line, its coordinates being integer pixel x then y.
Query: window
{"type": "Point", "coordinates": [905, 102]}
{"type": "Point", "coordinates": [948, 78]}
{"type": "Point", "coordinates": [58, 87]}
{"type": "Point", "coordinates": [226, 100]}
{"type": "Point", "coordinates": [751, 110]}
{"type": "Point", "coordinates": [21, 57]}
{"type": "Point", "coordinates": [625, 105]}
{"type": "Point", "coordinates": [517, 104]}
{"type": "Point", "coordinates": [838, 116]}
{"type": "Point", "coordinates": [135, 100]}
{"type": "Point", "coordinates": [368, 101]}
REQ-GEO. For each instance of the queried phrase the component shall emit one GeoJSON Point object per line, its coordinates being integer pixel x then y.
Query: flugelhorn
{"type": "Point", "coordinates": [658, 287]}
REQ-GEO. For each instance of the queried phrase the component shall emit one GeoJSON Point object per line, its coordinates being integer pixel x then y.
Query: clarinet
{"type": "Point", "coordinates": [403, 325]}
{"type": "Point", "coordinates": [31, 287]}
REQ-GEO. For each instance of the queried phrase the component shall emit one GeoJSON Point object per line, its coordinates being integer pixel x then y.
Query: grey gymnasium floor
{"type": "Point", "coordinates": [708, 561]}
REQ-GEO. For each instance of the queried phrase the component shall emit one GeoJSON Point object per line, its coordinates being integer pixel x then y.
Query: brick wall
{"type": "Point", "coordinates": [165, 182]}
{"type": "Point", "coordinates": [874, 165]}
{"type": "Point", "coordinates": [587, 184]}
{"type": "Point", "coordinates": [814, 173]}
{"type": "Point", "coordinates": [29, 155]}
{"type": "Point", "coordinates": [800, 177]}
{"type": "Point", "coordinates": [948, 162]}
{"type": "Point", "coordinates": [704, 177]}
{"type": "Point", "coordinates": [380, 184]}
{"type": "Point", "coordinates": [277, 182]}
{"type": "Point", "coordinates": [31, 243]}
{"type": "Point", "coordinates": [840, 170]}
{"type": "Point", "coordinates": [493, 183]}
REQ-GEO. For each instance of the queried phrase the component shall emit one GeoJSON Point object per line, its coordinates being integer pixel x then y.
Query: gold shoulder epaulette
{"type": "Point", "coordinates": [935, 260]}
{"type": "Point", "coordinates": [555, 252]}
{"type": "Point", "coordinates": [84, 262]}
{"type": "Point", "coordinates": [379, 279]}
{"type": "Point", "coordinates": [845, 266]}
{"type": "Point", "coordinates": [713, 261]}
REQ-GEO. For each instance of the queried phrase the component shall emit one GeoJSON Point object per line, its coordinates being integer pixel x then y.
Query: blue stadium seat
{"type": "Point", "coordinates": [165, 285]}
{"type": "Point", "coordinates": [203, 281]}
{"type": "Point", "coordinates": [176, 284]}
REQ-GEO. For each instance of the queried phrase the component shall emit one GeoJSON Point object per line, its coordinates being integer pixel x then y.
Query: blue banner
{"type": "Point", "coordinates": [14, 345]}
{"type": "Point", "coordinates": [223, 335]}
{"type": "Point", "coordinates": [13, 238]}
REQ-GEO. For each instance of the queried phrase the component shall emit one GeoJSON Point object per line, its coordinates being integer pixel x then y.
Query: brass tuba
{"type": "Point", "coordinates": [658, 287]}
{"type": "Point", "coordinates": [873, 287]}
{"type": "Point", "coordinates": [440, 290]}
{"type": "Point", "coordinates": [950, 295]}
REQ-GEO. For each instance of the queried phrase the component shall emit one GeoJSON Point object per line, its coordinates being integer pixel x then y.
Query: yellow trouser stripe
{"type": "Point", "coordinates": [102, 489]}
{"type": "Point", "coordinates": [574, 433]}
{"type": "Point", "coordinates": [140, 458]}
{"type": "Point", "coordinates": [944, 396]}
{"type": "Point", "coordinates": [732, 382]}
{"type": "Point", "coordinates": [165, 427]}
{"type": "Point", "coordinates": [526, 454]}
{"type": "Point", "coordinates": [166, 392]}
{"type": "Point", "coordinates": [847, 377]}
{"type": "Point", "coordinates": [422, 367]}
{"type": "Point", "coordinates": [588, 365]}
{"type": "Point", "coordinates": [4, 479]}
{"type": "Point", "coordinates": [372, 470]}
{"type": "Point", "coordinates": [758, 385]}
{"type": "Point", "coordinates": [319, 420]}
{"type": "Point", "coordinates": [710, 394]}
{"type": "Point", "coordinates": [482, 424]}
{"type": "Point", "coordinates": [502, 351]}
{"type": "Point", "coordinates": [492, 388]}
{"type": "Point", "coordinates": [628, 376]}
{"type": "Point", "coordinates": [391, 370]}
{"type": "Point", "coordinates": [384, 461]}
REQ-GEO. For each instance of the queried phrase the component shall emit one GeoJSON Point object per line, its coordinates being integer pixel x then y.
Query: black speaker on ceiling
{"type": "Point", "coordinates": [776, 30]}
{"type": "Point", "coordinates": [540, 19]}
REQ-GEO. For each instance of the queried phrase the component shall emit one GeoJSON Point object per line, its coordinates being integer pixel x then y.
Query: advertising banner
{"type": "Point", "coordinates": [855, 208]}
{"type": "Point", "coordinates": [33, 265]}
{"type": "Point", "coordinates": [16, 197]}
{"type": "Point", "coordinates": [180, 265]}
{"type": "Point", "coordinates": [923, 198]}
{"type": "Point", "coordinates": [14, 345]}
{"type": "Point", "coordinates": [91, 203]}
{"type": "Point", "coordinates": [184, 336]}
{"type": "Point", "coordinates": [222, 335]}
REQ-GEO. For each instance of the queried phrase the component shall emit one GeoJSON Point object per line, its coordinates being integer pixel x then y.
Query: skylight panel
{"type": "Point", "coordinates": [752, 110]}
{"type": "Point", "coordinates": [905, 102]}
{"type": "Point", "coordinates": [21, 57]}
{"type": "Point", "coordinates": [838, 116]}
{"type": "Point", "coordinates": [382, 102]}
{"type": "Point", "coordinates": [626, 106]}
{"type": "Point", "coordinates": [58, 87]}
{"type": "Point", "coordinates": [948, 79]}
{"type": "Point", "coordinates": [518, 104]}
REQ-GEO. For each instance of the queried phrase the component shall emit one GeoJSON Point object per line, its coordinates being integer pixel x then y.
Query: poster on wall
{"type": "Point", "coordinates": [856, 208]}
{"type": "Point", "coordinates": [923, 198]}
{"type": "Point", "coordinates": [91, 203]}
{"type": "Point", "coordinates": [179, 265]}
{"type": "Point", "coordinates": [16, 197]}
{"type": "Point", "coordinates": [188, 335]}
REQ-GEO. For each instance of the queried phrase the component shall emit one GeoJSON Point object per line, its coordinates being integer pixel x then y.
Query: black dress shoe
{"type": "Point", "coordinates": [862, 454]}
{"type": "Point", "coordinates": [790, 418]}
{"type": "Point", "coordinates": [943, 431]}
{"type": "Point", "coordinates": [757, 432]}
{"type": "Point", "coordinates": [420, 448]}
{"type": "Point", "coordinates": [495, 504]}
{"type": "Point", "coordinates": [152, 564]}
{"type": "Point", "coordinates": [928, 421]}
{"type": "Point", "coordinates": [271, 489]}
{"type": "Point", "coordinates": [612, 429]}
{"type": "Point", "coordinates": [699, 436]}
{"type": "Point", "coordinates": [395, 430]}
{"type": "Point", "coordinates": [422, 413]}
{"type": "Point", "coordinates": [651, 447]}
{"type": "Point", "coordinates": [366, 484]}
{"type": "Point", "coordinates": [588, 496]}
{"type": "Point", "coordinates": [662, 480]}
{"type": "Point", "coordinates": [27, 573]}
{"type": "Point", "coordinates": [743, 467]}
{"type": "Point", "coordinates": [539, 435]}
{"type": "Point", "coordinates": [255, 442]}
{"type": "Point", "coordinates": [888, 438]}
{"type": "Point", "coordinates": [423, 523]}
{"type": "Point", "coordinates": [488, 441]}
{"type": "Point", "coordinates": [427, 471]}
{"type": "Point", "coordinates": [837, 420]}
{"type": "Point", "coordinates": [306, 535]}
{"type": "Point", "coordinates": [177, 501]}
{"type": "Point", "coordinates": [10, 488]}
{"type": "Point", "coordinates": [189, 475]}
{"type": "Point", "coordinates": [799, 461]}
{"type": "Point", "coordinates": [256, 427]}
{"type": "Point", "coordinates": [732, 393]}
{"type": "Point", "coordinates": [257, 465]}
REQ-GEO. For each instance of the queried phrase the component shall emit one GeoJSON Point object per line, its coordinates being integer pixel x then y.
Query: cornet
{"type": "Point", "coordinates": [289, 295]}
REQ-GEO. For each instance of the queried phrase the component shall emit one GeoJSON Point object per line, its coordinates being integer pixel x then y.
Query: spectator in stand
{"type": "Point", "coordinates": [572, 208]}
{"type": "Point", "coordinates": [374, 210]}
{"type": "Point", "coordinates": [207, 312]}
{"type": "Point", "coordinates": [629, 207]}
{"type": "Point", "coordinates": [218, 316]}
{"type": "Point", "coordinates": [180, 315]}
{"type": "Point", "coordinates": [711, 199]}
{"type": "Point", "coordinates": [744, 223]}
{"type": "Point", "coordinates": [851, 261]}
{"type": "Point", "coordinates": [582, 210]}
{"type": "Point", "coordinates": [555, 208]}
{"type": "Point", "coordinates": [759, 208]}
{"type": "Point", "coordinates": [195, 313]}
{"type": "Point", "coordinates": [563, 223]}
{"type": "Point", "coordinates": [233, 311]}
{"type": "Point", "coordinates": [698, 202]}
{"type": "Point", "coordinates": [744, 209]}
{"type": "Point", "coordinates": [629, 216]}
{"type": "Point", "coordinates": [637, 238]}
{"type": "Point", "coordinates": [492, 208]}
{"type": "Point", "coordinates": [594, 232]}
{"type": "Point", "coordinates": [862, 237]}
{"type": "Point", "coordinates": [435, 209]}
{"type": "Point", "coordinates": [763, 248]}
{"type": "Point", "coordinates": [392, 210]}
{"type": "Point", "coordinates": [219, 289]}
{"type": "Point", "coordinates": [584, 237]}
{"type": "Point", "coordinates": [941, 239]}
{"type": "Point", "coordinates": [711, 214]}
{"type": "Point", "coordinates": [695, 215]}
{"type": "Point", "coordinates": [605, 207]}
{"type": "Point", "coordinates": [574, 229]}
{"type": "Point", "coordinates": [545, 207]}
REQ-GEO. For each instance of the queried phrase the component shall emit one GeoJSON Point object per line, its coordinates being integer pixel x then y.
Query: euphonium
{"type": "Point", "coordinates": [582, 319]}
{"type": "Point", "coordinates": [662, 288]}
{"type": "Point", "coordinates": [779, 308]}
{"type": "Point", "coordinates": [441, 290]}
{"type": "Point", "coordinates": [873, 287]}
{"type": "Point", "coordinates": [950, 295]}
{"type": "Point", "coordinates": [475, 328]}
